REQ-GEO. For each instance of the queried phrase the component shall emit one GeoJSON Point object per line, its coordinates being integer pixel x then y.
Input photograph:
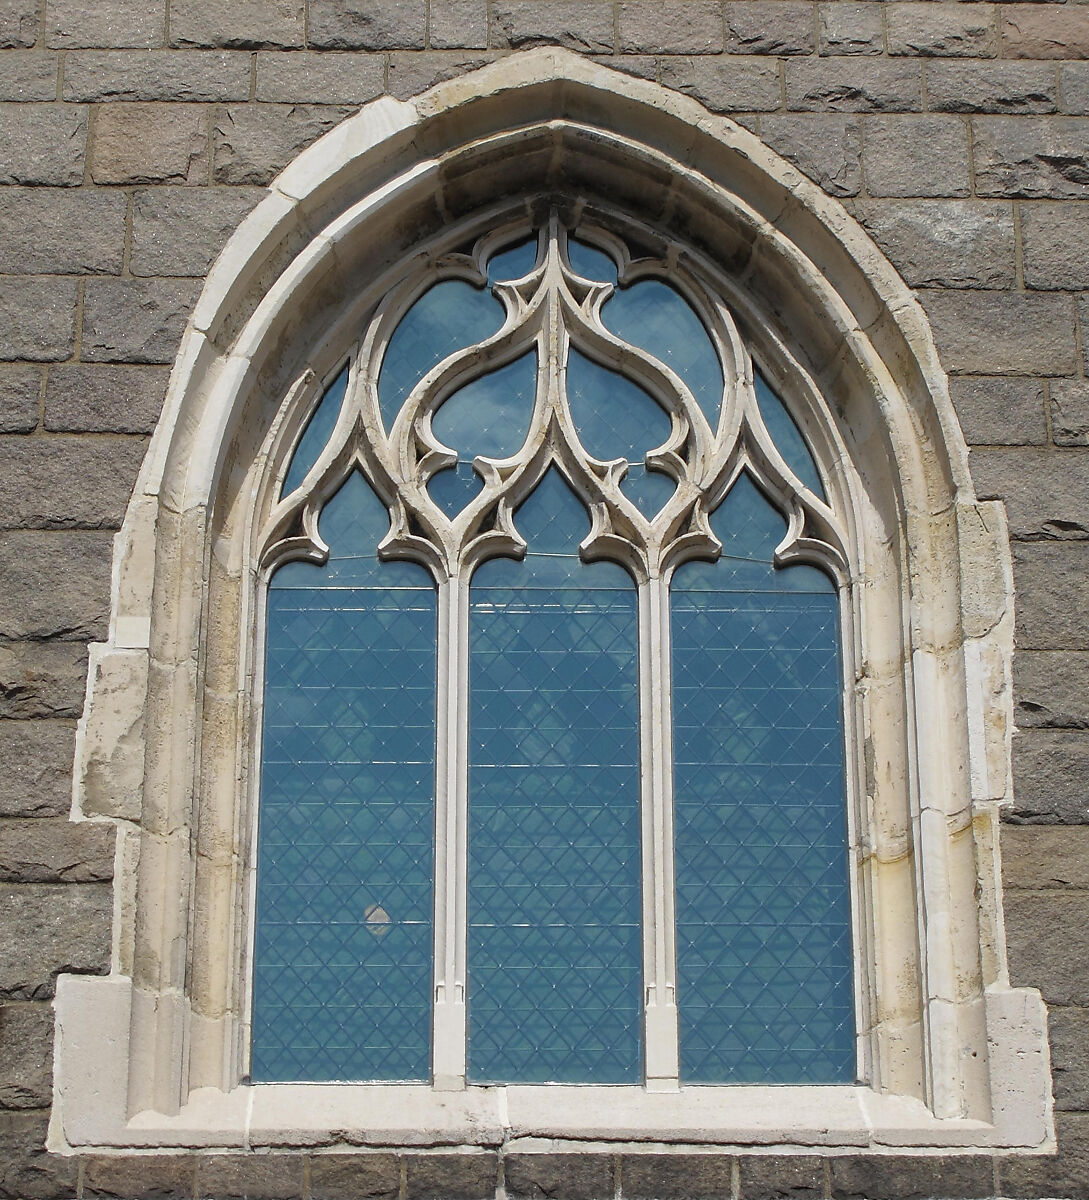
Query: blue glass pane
{"type": "Point", "coordinates": [555, 944]}
{"type": "Point", "coordinates": [763, 922]}
{"type": "Point", "coordinates": [453, 488]}
{"type": "Point", "coordinates": [787, 436]}
{"type": "Point", "coordinates": [343, 943]}
{"type": "Point", "coordinates": [658, 319]}
{"type": "Point", "coordinates": [451, 315]}
{"type": "Point", "coordinates": [316, 434]}
{"type": "Point", "coordinates": [513, 263]}
{"type": "Point", "coordinates": [590, 263]}
{"type": "Point", "coordinates": [489, 416]}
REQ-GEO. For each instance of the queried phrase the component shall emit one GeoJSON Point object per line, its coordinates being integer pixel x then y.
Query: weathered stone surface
{"type": "Point", "coordinates": [945, 243]}
{"type": "Point", "coordinates": [57, 584]}
{"type": "Point", "coordinates": [1047, 931]}
{"type": "Point", "coordinates": [61, 231]}
{"type": "Point", "coordinates": [1045, 857]}
{"type": "Point", "coordinates": [1055, 239]}
{"type": "Point", "coordinates": [575, 24]}
{"type": "Point", "coordinates": [180, 230]}
{"type": "Point", "coordinates": [85, 398]}
{"type": "Point", "coordinates": [26, 1056]}
{"type": "Point", "coordinates": [55, 850]}
{"type": "Point", "coordinates": [19, 20]}
{"type": "Point", "coordinates": [1070, 412]}
{"type": "Point", "coordinates": [37, 758]}
{"type": "Point", "coordinates": [28, 75]}
{"type": "Point", "coordinates": [249, 1177]}
{"type": "Point", "coordinates": [150, 143]}
{"type": "Point", "coordinates": [769, 27]}
{"type": "Point", "coordinates": [670, 27]}
{"type": "Point", "coordinates": [74, 24]}
{"type": "Point", "coordinates": [135, 320]}
{"type": "Point", "coordinates": [37, 318]}
{"type": "Point", "coordinates": [896, 1177]}
{"type": "Point", "coordinates": [790, 1177]}
{"type": "Point", "coordinates": [312, 78]}
{"type": "Point", "coordinates": [1046, 493]}
{"type": "Point", "coordinates": [62, 927]}
{"type": "Point", "coordinates": [827, 148]}
{"type": "Point", "coordinates": [945, 30]}
{"type": "Point", "coordinates": [26, 1170]}
{"type": "Point", "coordinates": [355, 1177]}
{"type": "Point", "coordinates": [243, 24]}
{"type": "Point", "coordinates": [1052, 587]}
{"type": "Point", "coordinates": [1033, 158]}
{"type": "Point", "coordinates": [459, 24]}
{"type": "Point", "coordinates": [1000, 412]}
{"type": "Point", "coordinates": [1002, 333]}
{"type": "Point", "coordinates": [1074, 88]}
{"type": "Point", "coordinates": [1064, 1174]}
{"type": "Point", "coordinates": [367, 25]}
{"type": "Point", "coordinates": [1044, 31]}
{"type": "Point", "coordinates": [415, 71]}
{"type": "Point", "coordinates": [846, 27]}
{"type": "Point", "coordinates": [42, 144]}
{"type": "Point", "coordinates": [20, 392]}
{"type": "Point", "coordinates": [1050, 781]}
{"type": "Point", "coordinates": [1068, 1029]}
{"type": "Point", "coordinates": [724, 84]}
{"type": "Point", "coordinates": [64, 482]}
{"type": "Point", "coordinates": [916, 156]}
{"type": "Point", "coordinates": [573, 1176]}
{"type": "Point", "coordinates": [853, 85]}
{"type": "Point", "coordinates": [451, 1176]}
{"type": "Point", "coordinates": [991, 87]}
{"type": "Point", "coordinates": [42, 679]}
{"type": "Point", "coordinates": [675, 1176]}
{"type": "Point", "coordinates": [250, 144]}
{"type": "Point", "coordinates": [149, 1176]}
{"type": "Point", "coordinates": [1051, 689]}
{"type": "Point", "coordinates": [156, 75]}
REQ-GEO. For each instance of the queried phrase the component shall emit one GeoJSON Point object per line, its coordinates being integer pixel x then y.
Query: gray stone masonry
{"type": "Point", "coordinates": [136, 134]}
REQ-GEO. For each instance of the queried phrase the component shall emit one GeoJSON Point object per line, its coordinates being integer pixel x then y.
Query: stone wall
{"type": "Point", "coordinates": [135, 134]}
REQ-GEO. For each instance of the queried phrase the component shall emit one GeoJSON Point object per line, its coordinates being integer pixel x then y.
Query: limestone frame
{"type": "Point", "coordinates": [148, 1056]}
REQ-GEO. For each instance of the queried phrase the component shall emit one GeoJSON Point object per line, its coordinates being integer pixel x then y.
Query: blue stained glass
{"type": "Point", "coordinates": [658, 319]}
{"type": "Point", "coordinates": [554, 938]}
{"type": "Point", "coordinates": [343, 944]}
{"type": "Point", "coordinates": [490, 415]}
{"type": "Point", "coordinates": [763, 925]}
{"type": "Point", "coordinates": [787, 436]}
{"type": "Point", "coordinates": [316, 434]}
{"type": "Point", "coordinates": [448, 317]}
{"type": "Point", "coordinates": [513, 263]}
{"type": "Point", "coordinates": [590, 263]}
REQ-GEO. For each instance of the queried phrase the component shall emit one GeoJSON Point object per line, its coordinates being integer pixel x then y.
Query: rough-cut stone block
{"type": "Point", "coordinates": [26, 1170]}
{"type": "Point", "coordinates": [1052, 585]}
{"type": "Point", "coordinates": [896, 1177]}
{"type": "Point", "coordinates": [1046, 932]}
{"type": "Point", "coordinates": [42, 679]}
{"type": "Point", "coordinates": [42, 144]}
{"type": "Point", "coordinates": [769, 27]}
{"type": "Point", "coordinates": [1045, 31]}
{"type": "Point", "coordinates": [573, 1176]}
{"type": "Point", "coordinates": [37, 758]}
{"type": "Point", "coordinates": [240, 25]}
{"type": "Point", "coordinates": [1000, 412]}
{"type": "Point", "coordinates": [942, 30]}
{"type": "Point", "coordinates": [56, 584]}
{"type": "Point", "coordinates": [135, 320]}
{"type": "Point", "coordinates": [991, 87]}
{"type": "Point", "coordinates": [789, 1177]}
{"type": "Point", "coordinates": [415, 71]}
{"type": "Point", "coordinates": [20, 397]}
{"type": "Point", "coordinates": [1074, 88]}
{"type": "Point", "coordinates": [19, 20]}
{"type": "Point", "coordinates": [355, 1177]}
{"type": "Point", "coordinates": [827, 148]}
{"type": "Point", "coordinates": [250, 1177]}
{"type": "Point", "coordinates": [585, 25]}
{"type": "Point", "coordinates": [1002, 333]}
{"type": "Point", "coordinates": [64, 482]}
{"type": "Point", "coordinates": [675, 1176]}
{"type": "Point", "coordinates": [724, 84]}
{"type": "Point", "coordinates": [1033, 158]}
{"type": "Point", "coordinates": [156, 75]}
{"type": "Point", "coordinates": [916, 156]}
{"type": "Point", "coordinates": [1046, 493]}
{"type": "Point", "coordinates": [1056, 245]}
{"type": "Point", "coordinates": [1070, 412]}
{"type": "Point", "coordinates": [1051, 689]}
{"type": "Point", "coordinates": [37, 319]}
{"type": "Point", "coordinates": [1069, 1032]}
{"type": "Point", "coordinates": [62, 927]}
{"type": "Point", "coordinates": [367, 24]}
{"type": "Point", "coordinates": [85, 398]}
{"type": "Point", "coordinates": [1064, 1174]}
{"type": "Point", "coordinates": [149, 1176]}
{"type": "Point", "coordinates": [250, 144]}
{"type": "Point", "coordinates": [28, 75]}
{"type": "Point", "coordinates": [670, 27]}
{"type": "Point", "coordinates": [180, 230]}
{"type": "Point", "coordinates": [312, 78]}
{"type": "Point", "coordinates": [459, 24]}
{"type": "Point", "coordinates": [846, 27]}
{"type": "Point", "coordinates": [853, 85]}
{"type": "Point", "coordinates": [55, 850]}
{"type": "Point", "coordinates": [451, 1176]}
{"type": "Point", "coordinates": [58, 231]}
{"type": "Point", "coordinates": [1050, 785]}
{"type": "Point", "coordinates": [1045, 857]}
{"type": "Point", "coordinates": [945, 243]}
{"type": "Point", "coordinates": [645, 66]}
{"type": "Point", "coordinates": [26, 1056]}
{"type": "Point", "coordinates": [150, 143]}
{"type": "Point", "coordinates": [75, 24]}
